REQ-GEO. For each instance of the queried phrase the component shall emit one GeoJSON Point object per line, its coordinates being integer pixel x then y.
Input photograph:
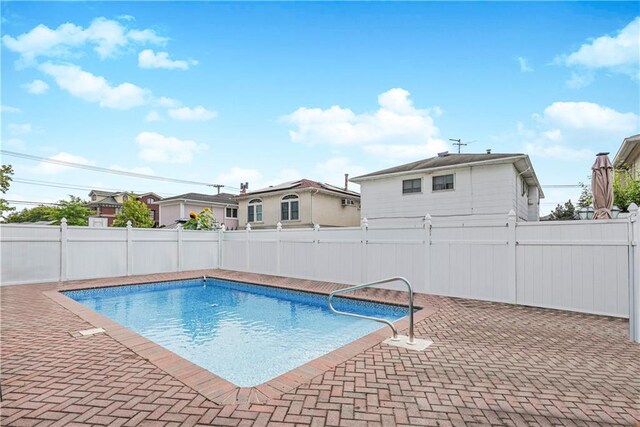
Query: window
{"type": "Point", "coordinates": [525, 188]}
{"type": "Point", "coordinates": [152, 215]}
{"type": "Point", "coordinates": [231, 213]}
{"type": "Point", "coordinates": [125, 198]}
{"type": "Point", "coordinates": [411, 186]}
{"type": "Point", "coordinates": [254, 211]}
{"type": "Point", "coordinates": [150, 201]}
{"type": "Point", "coordinates": [443, 182]}
{"type": "Point", "coordinates": [289, 208]}
{"type": "Point", "coordinates": [93, 197]}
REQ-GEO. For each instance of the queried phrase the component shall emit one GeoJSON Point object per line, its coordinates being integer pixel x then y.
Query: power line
{"type": "Point", "coordinates": [31, 202]}
{"type": "Point", "coordinates": [103, 170]}
{"type": "Point", "coordinates": [76, 187]}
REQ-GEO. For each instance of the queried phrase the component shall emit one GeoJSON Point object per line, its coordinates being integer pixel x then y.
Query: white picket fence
{"type": "Point", "coordinates": [584, 266]}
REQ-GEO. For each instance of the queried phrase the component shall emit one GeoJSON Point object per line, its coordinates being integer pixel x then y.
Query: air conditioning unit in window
{"type": "Point", "coordinates": [348, 202]}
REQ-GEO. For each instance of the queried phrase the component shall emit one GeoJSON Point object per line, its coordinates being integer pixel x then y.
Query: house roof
{"type": "Point", "coordinates": [449, 161]}
{"type": "Point", "coordinates": [222, 198]}
{"type": "Point", "coordinates": [106, 201]}
{"type": "Point", "coordinates": [628, 146]}
{"type": "Point", "coordinates": [300, 185]}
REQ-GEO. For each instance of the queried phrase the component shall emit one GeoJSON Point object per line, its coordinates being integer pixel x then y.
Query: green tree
{"type": "Point", "coordinates": [626, 189]}
{"type": "Point", "coordinates": [135, 211]}
{"type": "Point", "coordinates": [6, 173]}
{"type": "Point", "coordinates": [563, 213]}
{"type": "Point", "coordinates": [74, 210]}
{"type": "Point", "coordinates": [39, 213]}
{"type": "Point", "coordinates": [586, 196]}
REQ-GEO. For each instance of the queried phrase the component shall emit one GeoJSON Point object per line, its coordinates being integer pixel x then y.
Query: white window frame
{"type": "Point", "coordinates": [453, 178]}
{"type": "Point", "coordinates": [230, 217]}
{"type": "Point", "coordinates": [254, 203]}
{"type": "Point", "coordinates": [289, 199]}
{"type": "Point", "coordinates": [412, 192]}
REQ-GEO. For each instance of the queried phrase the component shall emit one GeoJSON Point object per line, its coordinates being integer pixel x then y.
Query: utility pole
{"type": "Point", "coordinates": [218, 187]}
{"type": "Point", "coordinates": [458, 142]}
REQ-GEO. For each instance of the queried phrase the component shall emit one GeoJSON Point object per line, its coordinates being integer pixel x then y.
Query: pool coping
{"type": "Point", "coordinates": [211, 386]}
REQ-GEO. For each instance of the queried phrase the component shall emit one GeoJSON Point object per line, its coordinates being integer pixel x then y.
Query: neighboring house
{"type": "Point", "coordinates": [107, 204]}
{"type": "Point", "coordinates": [628, 156]}
{"type": "Point", "coordinates": [223, 206]}
{"type": "Point", "coordinates": [453, 187]}
{"type": "Point", "coordinates": [301, 203]}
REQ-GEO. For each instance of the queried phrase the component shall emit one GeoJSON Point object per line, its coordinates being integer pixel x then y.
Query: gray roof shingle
{"type": "Point", "coordinates": [225, 198]}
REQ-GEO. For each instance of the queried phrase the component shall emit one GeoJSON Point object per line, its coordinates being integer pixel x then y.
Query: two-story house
{"type": "Point", "coordinates": [223, 206]}
{"type": "Point", "coordinates": [107, 204]}
{"type": "Point", "coordinates": [301, 203]}
{"type": "Point", "coordinates": [453, 187]}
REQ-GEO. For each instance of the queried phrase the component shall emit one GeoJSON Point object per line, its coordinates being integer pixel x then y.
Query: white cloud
{"type": "Point", "coordinates": [126, 17]}
{"type": "Point", "coordinates": [619, 53]}
{"type": "Point", "coordinates": [397, 124]}
{"type": "Point", "coordinates": [166, 102]}
{"type": "Point", "coordinates": [141, 169]}
{"type": "Point", "coordinates": [332, 171]}
{"type": "Point", "coordinates": [198, 113]}
{"type": "Point", "coordinates": [579, 80]}
{"type": "Point", "coordinates": [52, 169]}
{"type": "Point", "coordinates": [524, 64]}
{"type": "Point", "coordinates": [152, 116]}
{"type": "Point", "coordinates": [572, 131]}
{"type": "Point", "coordinates": [9, 109]}
{"type": "Point", "coordinates": [234, 176]}
{"type": "Point", "coordinates": [92, 88]}
{"type": "Point", "coordinates": [36, 87]}
{"type": "Point", "coordinates": [19, 129]}
{"type": "Point", "coordinates": [106, 36]}
{"type": "Point", "coordinates": [149, 59]}
{"type": "Point", "coordinates": [158, 148]}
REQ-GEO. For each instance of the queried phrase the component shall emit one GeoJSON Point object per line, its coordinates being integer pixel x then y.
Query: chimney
{"type": "Point", "coordinates": [346, 181]}
{"type": "Point", "coordinates": [244, 187]}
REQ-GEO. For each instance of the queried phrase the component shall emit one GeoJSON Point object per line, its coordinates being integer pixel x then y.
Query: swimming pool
{"type": "Point", "coordinates": [247, 334]}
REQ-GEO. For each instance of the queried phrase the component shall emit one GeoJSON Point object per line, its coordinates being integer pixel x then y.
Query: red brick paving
{"type": "Point", "coordinates": [490, 364]}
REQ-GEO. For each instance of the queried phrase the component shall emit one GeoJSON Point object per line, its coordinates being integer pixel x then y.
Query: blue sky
{"type": "Point", "coordinates": [269, 92]}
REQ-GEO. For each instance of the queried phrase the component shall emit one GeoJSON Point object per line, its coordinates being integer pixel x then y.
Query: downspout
{"type": "Point", "coordinates": [516, 207]}
{"type": "Point", "coordinates": [313, 194]}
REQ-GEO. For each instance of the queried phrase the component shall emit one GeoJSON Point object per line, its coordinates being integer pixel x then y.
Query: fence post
{"type": "Point", "coordinates": [364, 227]}
{"type": "Point", "coordinates": [221, 231]}
{"type": "Point", "coordinates": [63, 249]}
{"type": "Point", "coordinates": [129, 249]}
{"type": "Point", "coordinates": [427, 252]}
{"type": "Point", "coordinates": [247, 246]}
{"type": "Point", "coordinates": [316, 249]}
{"type": "Point", "coordinates": [511, 260]}
{"type": "Point", "coordinates": [278, 230]}
{"type": "Point", "coordinates": [180, 249]}
{"type": "Point", "coordinates": [634, 274]}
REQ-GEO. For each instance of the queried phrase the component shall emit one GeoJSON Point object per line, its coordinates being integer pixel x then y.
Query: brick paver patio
{"type": "Point", "coordinates": [490, 364]}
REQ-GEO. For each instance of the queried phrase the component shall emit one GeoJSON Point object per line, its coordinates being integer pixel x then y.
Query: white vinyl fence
{"type": "Point", "coordinates": [41, 253]}
{"type": "Point", "coordinates": [585, 266]}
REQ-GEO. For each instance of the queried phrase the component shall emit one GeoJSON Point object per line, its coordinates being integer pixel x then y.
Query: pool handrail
{"type": "Point", "coordinates": [377, 319]}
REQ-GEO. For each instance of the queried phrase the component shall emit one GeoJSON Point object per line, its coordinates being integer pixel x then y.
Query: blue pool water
{"type": "Point", "coordinates": [247, 334]}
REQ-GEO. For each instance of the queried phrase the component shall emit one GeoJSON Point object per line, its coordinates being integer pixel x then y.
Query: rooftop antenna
{"type": "Point", "coordinates": [459, 143]}
{"type": "Point", "coordinates": [218, 187]}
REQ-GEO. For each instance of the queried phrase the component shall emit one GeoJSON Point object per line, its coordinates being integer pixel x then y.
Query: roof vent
{"type": "Point", "coordinates": [443, 154]}
{"type": "Point", "coordinates": [488, 150]}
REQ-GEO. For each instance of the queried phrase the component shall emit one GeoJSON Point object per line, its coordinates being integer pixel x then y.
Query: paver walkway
{"type": "Point", "coordinates": [490, 364]}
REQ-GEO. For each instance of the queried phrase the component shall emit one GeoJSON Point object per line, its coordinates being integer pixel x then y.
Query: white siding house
{"type": "Point", "coordinates": [456, 187]}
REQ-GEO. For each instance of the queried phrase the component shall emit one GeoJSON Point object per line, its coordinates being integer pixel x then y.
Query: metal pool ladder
{"type": "Point", "coordinates": [411, 341]}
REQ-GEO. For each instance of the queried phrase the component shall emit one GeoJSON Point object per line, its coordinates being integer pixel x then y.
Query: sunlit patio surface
{"type": "Point", "coordinates": [489, 364]}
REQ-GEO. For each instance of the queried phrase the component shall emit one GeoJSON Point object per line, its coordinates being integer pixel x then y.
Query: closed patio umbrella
{"type": "Point", "coordinates": [602, 186]}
